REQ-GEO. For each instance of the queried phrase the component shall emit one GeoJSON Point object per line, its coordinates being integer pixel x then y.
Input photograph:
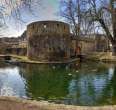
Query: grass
{"type": "Point", "coordinates": [101, 56]}
{"type": "Point", "coordinates": [24, 59]}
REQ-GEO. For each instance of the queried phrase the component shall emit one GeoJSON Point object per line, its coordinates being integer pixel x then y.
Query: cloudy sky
{"type": "Point", "coordinates": [46, 10]}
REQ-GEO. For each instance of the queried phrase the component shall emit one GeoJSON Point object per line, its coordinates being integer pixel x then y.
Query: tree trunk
{"type": "Point", "coordinates": [114, 49]}
{"type": "Point", "coordinates": [113, 13]}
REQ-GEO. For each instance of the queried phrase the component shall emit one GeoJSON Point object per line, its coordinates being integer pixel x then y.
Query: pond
{"type": "Point", "coordinates": [87, 83]}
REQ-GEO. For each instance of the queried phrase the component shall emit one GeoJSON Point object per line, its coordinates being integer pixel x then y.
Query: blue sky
{"type": "Point", "coordinates": [46, 10]}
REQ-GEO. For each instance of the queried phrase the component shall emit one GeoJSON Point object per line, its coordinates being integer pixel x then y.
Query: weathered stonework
{"type": "Point", "coordinates": [48, 40]}
{"type": "Point", "coordinates": [91, 43]}
{"type": "Point", "coordinates": [12, 103]}
{"type": "Point", "coordinates": [16, 46]}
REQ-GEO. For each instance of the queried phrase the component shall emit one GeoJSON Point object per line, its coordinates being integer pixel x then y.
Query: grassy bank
{"type": "Point", "coordinates": [24, 59]}
{"type": "Point", "coordinates": [95, 56]}
{"type": "Point", "coordinates": [101, 56]}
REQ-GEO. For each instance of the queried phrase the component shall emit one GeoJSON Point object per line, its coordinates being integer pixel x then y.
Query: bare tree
{"type": "Point", "coordinates": [73, 11]}
{"type": "Point", "coordinates": [103, 12]}
{"type": "Point", "coordinates": [12, 9]}
{"type": "Point", "coordinates": [89, 14]}
{"type": "Point", "coordinates": [69, 10]}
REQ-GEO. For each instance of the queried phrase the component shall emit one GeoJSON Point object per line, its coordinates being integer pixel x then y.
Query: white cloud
{"type": "Point", "coordinates": [46, 10]}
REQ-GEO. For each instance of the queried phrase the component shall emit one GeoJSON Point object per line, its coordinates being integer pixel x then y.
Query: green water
{"type": "Point", "coordinates": [75, 84]}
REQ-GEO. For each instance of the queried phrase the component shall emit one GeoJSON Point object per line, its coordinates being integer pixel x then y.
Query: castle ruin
{"type": "Point", "coordinates": [48, 40]}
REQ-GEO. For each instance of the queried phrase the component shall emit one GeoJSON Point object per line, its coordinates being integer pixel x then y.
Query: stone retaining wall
{"type": "Point", "coordinates": [11, 103]}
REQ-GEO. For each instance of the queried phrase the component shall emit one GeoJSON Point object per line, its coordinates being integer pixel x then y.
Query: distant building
{"type": "Point", "coordinates": [13, 46]}
{"type": "Point", "coordinates": [91, 43]}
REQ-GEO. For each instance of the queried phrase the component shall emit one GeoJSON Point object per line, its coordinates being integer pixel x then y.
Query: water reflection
{"type": "Point", "coordinates": [87, 89]}
{"type": "Point", "coordinates": [11, 83]}
{"type": "Point", "coordinates": [46, 82]}
{"type": "Point", "coordinates": [77, 84]}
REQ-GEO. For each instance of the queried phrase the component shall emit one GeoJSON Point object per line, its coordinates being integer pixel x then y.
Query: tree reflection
{"type": "Point", "coordinates": [93, 88]}
{"type": "Point", "coordinates": [46, 82]}
{"type": "Point", "coordinates": [89, 84]}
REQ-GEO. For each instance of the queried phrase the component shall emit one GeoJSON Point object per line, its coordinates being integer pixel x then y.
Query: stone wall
{"type": "Point", "coordinates": [48, 40]}
{"type": "Point", "coordinates": [12, 103]}
{"type": "Point", "coordinates": [95, 43]}
{"type": "Point", "coordinates": [17, 46]}
{"type": "Point", "coordinates": [86, 45]}
{"type": "Point", "coordinates": [102, 44]}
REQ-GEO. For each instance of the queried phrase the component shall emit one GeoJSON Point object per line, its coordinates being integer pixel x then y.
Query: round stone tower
{"type": "Point", "coordinates": [48, 41]}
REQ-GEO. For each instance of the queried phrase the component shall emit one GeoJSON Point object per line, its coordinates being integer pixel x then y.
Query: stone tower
{"type": "Point", "coordinates": [48, 41]}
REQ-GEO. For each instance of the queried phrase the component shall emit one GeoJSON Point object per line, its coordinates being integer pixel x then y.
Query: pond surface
{"type": "Point", "coordinates": [75, 84]}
